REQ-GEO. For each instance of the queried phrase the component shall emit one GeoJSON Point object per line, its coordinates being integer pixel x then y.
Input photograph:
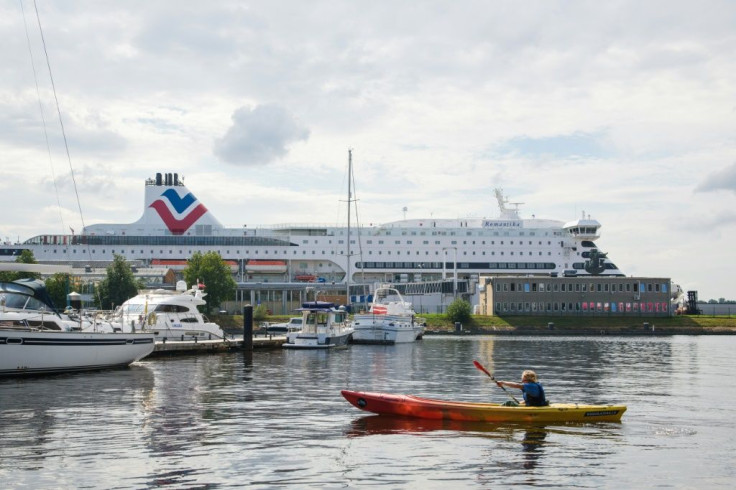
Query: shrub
{"type": "Point", "coordinates": [459, 311]}
{"type": "Point", "coordinates": [260, 313]}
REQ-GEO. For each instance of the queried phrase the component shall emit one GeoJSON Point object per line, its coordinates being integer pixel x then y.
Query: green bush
{"type": "Point", "coordinates": [458, 311]}
{"type": "Point", "coordinates": [260, 313]}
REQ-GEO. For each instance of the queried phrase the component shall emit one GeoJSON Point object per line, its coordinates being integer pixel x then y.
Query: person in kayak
{"type": "Point", "coordinates": [530, 388]}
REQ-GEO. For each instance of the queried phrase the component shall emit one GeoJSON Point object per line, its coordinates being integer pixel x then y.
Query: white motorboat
{"type": "Point", "coordinates": [35, 339]}
{"type": "Point", "coordinates": [170, 315]}
{"type": "Point", "coordinates": [323, 327]}
{"type": "Point", "coordinates": [390, 320]}
{"type": "Point", "coordinates": [293, 325]}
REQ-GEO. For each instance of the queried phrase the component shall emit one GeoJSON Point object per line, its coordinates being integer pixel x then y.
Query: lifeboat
{"type": "Point", "coordinates": [266, 266]}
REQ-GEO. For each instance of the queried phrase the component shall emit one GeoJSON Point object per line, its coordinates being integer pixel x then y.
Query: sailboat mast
{"type": "Point", "coordinates": [350, 199]}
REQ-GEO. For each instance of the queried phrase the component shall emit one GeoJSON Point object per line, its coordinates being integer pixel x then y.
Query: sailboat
{"type": "Point", "coordinates": [36, 339]}
{"type": "Point", "coordinates": [325, 324]}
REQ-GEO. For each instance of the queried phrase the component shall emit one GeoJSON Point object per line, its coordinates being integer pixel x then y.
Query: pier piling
{"type": "Point", "coordinates": [248, 328]}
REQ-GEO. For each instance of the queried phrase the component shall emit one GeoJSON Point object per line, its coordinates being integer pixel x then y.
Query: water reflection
{"type": "Point", "coordinates": [533, 446]}
{"type": "Point", "coordinates": [387, 424]}
{"type": "Point", "coordinates": [35, 413]}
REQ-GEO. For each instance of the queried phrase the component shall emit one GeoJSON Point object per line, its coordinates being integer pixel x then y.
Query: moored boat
{"type": "Point", "coordinates": [390, 320]}
{"type": "Point", "coordinates": [35, 339]}
{"type": "Point", "coordinates": [171, 315]}
{"type": "Point", "coordinates": [426, 408]}
{"type": "Point", "coordinates": [323, 326]}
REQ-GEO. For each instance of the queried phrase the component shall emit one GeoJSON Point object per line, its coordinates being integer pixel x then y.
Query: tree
{"type": "Point", "coordinates": [211, 270]}
{"type": "Point", "coordinates": [459, 311]}
{"type": "Point", "coordinates": [58, 286]}
{"type": "Point", "coordinates": [25, 257]}
{"type": "Point", "coordinates": [119, 285]}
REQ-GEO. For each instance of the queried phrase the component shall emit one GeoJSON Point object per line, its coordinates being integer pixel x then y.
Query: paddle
{"type": "Point", "coordinates": [480, 366]}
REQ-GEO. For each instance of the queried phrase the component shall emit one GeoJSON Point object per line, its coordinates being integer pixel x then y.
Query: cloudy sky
{"type": "Point", "coordinates": [624, 110]}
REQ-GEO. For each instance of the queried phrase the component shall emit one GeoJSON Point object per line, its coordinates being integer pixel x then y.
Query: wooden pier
{"type": "Point", "coordinates": [172, 347]}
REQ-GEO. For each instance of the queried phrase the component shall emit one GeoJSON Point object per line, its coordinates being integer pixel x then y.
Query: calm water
{"type": "Point", "coordinates": [278, 419]}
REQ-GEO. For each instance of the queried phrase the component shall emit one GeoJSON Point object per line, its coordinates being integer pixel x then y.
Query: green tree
{"type": "Point", "coordinates": [118, 286]}
{"type": "Point", "coordinates": [58, 286]}
{"type": "Point", "coordinates": [459, 311]}
{"type": "Point", "coordinates": [25, 257]}
{"type": "Point", "coordinates": [211, 270]}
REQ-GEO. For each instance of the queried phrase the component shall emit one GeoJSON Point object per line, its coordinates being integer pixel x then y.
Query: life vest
{"type": "Point", "coordinates": [535, 401]}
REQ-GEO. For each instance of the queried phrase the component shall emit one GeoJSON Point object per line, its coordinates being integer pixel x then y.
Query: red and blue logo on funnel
{"type": "Point", "coordinates": [184, 207]}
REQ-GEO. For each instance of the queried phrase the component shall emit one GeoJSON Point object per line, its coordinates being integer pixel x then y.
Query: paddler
{"type": "Point", "coordinates": [530, 388]}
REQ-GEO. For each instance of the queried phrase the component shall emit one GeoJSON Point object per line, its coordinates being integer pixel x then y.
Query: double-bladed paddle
{"type": "Point", "coordinates": [480, 366]}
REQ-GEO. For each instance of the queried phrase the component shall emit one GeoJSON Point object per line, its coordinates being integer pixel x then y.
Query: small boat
{"type": "Point", "coordinates": [323, 326]}
{"type": "Point", "coordinates": [293, 325]}
{"type": "Point", "coordinates": [171, 315]}
{"type": "Point", "coordinates": [36, 339]}
{"type": "Point", "coordinates": [390, 320]}
{"type": "Point", "coordinates": [426, 408]}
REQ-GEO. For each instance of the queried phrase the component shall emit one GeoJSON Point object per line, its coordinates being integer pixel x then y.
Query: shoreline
{"type": "Point", "coordinates": [551, 326]}
{"type": "Point", "coordinates": [640, 331]}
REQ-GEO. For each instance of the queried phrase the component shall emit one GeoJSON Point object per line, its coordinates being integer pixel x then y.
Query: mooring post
{"type": "Point", "coordinates": [247, 327]}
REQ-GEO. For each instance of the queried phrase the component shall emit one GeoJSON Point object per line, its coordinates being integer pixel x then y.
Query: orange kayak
{"type": "Point", "coordinates": [426, 408]}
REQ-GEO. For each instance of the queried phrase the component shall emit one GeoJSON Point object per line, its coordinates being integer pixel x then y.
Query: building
{"type": "Point", "coordinates": [575, 296]}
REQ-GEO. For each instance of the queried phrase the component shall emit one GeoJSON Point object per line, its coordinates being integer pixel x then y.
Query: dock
{"type": "Point", "coordinates": [173, 347]}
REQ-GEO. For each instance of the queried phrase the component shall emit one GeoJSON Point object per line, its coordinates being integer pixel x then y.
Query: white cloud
{"type": "Point", "coordinates": [259, 135]}
{"type": "Point", "coordinates": [723, 179]}
{"type": "Point", "coordinates": [622, 109]}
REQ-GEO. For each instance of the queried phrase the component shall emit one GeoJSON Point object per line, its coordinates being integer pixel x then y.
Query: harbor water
{"type": "Point", "coordinates": [276, 418]}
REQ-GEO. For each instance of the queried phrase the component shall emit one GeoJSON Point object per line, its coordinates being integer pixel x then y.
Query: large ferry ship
{"type": "Point", "coordinates": [175, 225]}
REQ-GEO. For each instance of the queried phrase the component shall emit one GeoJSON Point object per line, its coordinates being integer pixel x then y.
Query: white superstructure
{"type": "Point", "coordinates": [175, 224]}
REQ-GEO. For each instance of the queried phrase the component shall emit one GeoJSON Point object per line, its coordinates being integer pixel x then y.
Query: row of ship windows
{"type": "Point", "coordinates": [460, 265]}
{"type": "Point", "coordinates": [304, 252]}
{"type": "Point", "coordinates": [467, 233]}
{"type": "Point", "coordinates": [426, 242]}
{"type": "Point", "coordinates": [585, 307]}
{"type": "Point", "coordinates": [580, 287]}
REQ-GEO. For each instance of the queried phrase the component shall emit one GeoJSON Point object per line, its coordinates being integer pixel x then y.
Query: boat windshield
{"type": "Point", "coordinates": [21, 302]}
{"type": "Point", "coordinates": [133, 308]}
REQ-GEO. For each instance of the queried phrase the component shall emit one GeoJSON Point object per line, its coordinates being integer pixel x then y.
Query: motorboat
{"type": "Point", "coordinates": [293, 325]}
{"type": "Point", "coordinates": [323, 326]}
{"type": "Point", "coordinates": [36, 339]}
{"type": "Point", "coordinates": [427, 408]}
{"type": "Point", "coordinates": [389, 320]}
{"type": "Point", "coordinates": [170, 315]}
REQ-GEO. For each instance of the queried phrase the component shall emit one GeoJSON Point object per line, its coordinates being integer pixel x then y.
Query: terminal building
{"type": "Point", "coordinates": [575, 296]}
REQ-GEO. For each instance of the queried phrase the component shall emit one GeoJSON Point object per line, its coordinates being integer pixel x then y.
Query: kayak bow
{"type": "Point", "coordinates": [426, 408]}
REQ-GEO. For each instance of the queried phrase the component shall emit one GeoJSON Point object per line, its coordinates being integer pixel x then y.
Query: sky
{"type": "Point", "coordinates": [622, 110]}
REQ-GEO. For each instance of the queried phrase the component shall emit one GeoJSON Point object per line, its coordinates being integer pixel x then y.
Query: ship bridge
{"type": "Point", "coordinates": [584, 228]}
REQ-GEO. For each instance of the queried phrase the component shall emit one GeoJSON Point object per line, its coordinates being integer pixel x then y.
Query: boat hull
{"type": "Point", "coordinates": [31, 352]}
{"type": "Point", "coordinates": [386, 333]}
{"type": "Point", "coordinates": [414, 406]}
{"type": "Point", "coordinates": [319, 341]}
